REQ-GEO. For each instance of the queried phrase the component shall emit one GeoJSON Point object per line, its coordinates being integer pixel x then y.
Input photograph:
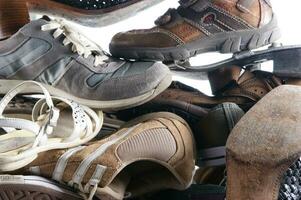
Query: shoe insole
{"type": "Point", "coordinates": [139, 178]}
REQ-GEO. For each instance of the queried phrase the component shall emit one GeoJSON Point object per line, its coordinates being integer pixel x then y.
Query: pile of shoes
{"type": "Point", "coordinates": [79, 123]}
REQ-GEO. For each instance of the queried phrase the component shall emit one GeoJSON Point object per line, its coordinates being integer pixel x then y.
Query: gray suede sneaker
{"type": "Point", "coordinates": [71, 66]}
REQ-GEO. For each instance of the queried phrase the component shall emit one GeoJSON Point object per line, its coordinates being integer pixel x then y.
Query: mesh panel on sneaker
{"type": "Point", "coordinates": [157, 143]}
{"type": "Point", "coordinates": [291, 183]}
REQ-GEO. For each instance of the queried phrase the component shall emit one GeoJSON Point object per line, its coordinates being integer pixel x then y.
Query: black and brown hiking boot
{"type": "Point", "coordinates": [199, 26]}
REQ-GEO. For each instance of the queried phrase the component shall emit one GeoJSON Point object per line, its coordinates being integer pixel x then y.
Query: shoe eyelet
{"type": "Point", "coordinates": [209, 18]}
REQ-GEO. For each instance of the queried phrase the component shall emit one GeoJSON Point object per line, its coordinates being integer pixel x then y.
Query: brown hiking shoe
{"type": "Point", "coordinates": [199, 26]}
{"type": "Point", "coordinates": [153, 152]}
{"type": "Point", "coordinates": [244, 90]}
{"type": "Point", "coordinates": [264, 147]}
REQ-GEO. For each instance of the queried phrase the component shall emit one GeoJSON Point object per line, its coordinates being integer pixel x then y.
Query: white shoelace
{"type": "Point", "coordinates": [88, 193]}
{"type": "Point", "coordinates": [80, 44]}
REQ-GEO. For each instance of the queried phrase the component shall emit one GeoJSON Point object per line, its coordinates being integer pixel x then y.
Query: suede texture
{"type": "Point", "coordinates": [180, 165]}
{"type": "Point", "coordinates": [138, 38]}
{"type": "Point", "coordinates": [113, 88]}
{"type": "Point", "coordinates": [252, 16]}
{"type": "Point", "coordinates": [113, 77]}
{"type": "Point", "coordinates": [262, 146]}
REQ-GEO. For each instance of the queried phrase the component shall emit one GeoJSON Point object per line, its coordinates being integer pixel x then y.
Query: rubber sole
{"type": "Point", "coordinates": [286, 61]}
{"type": "Point", "coordinates": [6, 85]}
{"type": "Point", "coordinates": [226, 42]}
{"type": "Point", "coordinates": [33, 188]}
{"type": "Point", "coordinates": [90, 17]}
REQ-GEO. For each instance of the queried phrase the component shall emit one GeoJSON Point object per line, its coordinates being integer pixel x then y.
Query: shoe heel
{"type": "Point", "coordinates": [263, 145]}
{"type": "Point", "coordinates": [288, 63]}
{"type": "Point", "coordinates": [253, 181]}
{"type": "Point", "coordinates": [14, 15]}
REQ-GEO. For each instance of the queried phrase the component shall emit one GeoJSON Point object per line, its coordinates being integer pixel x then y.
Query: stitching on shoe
{"type": "Point", "coordinates": [166, 32]}
{"type": "Point", "coordinates": [231, 16]}
{"type": "Point", "coordinates": [244, 8]}
{"type": "Point", "coordinates": [219, 28]}
{"type": "Point", "coordinates": [182, 141]}
{"type": "Point", "coordinates": [170, 34]}
{"type": "Point", "coordinates": [200, 27]}
{"type": "Point", "coordinates": [224, 25]}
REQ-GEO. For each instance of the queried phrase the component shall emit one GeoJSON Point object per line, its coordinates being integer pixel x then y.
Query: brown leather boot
{"type": "Point", "coordinates": [263, 145]}
{"type": "Point", "coordinates": [199, 26]}
{"type": "Point", "coordinates": [14, 15]}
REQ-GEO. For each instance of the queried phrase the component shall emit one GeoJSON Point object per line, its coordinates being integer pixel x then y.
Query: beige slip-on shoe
{"type": "Point", "coordinates": [153, 152]}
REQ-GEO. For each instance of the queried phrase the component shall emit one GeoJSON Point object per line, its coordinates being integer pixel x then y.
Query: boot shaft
{"type": "Point", "coordinates": [14, 15]}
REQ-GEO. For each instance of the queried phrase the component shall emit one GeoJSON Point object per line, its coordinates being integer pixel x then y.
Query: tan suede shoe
{"type": "Point", "coordinates": [153, 152]}
{"type": "Point", "coordinates": [263, 145]}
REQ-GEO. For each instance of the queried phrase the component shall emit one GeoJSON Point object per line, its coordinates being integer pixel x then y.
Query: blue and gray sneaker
{"type": "Point", "coordinates": [73, 67]}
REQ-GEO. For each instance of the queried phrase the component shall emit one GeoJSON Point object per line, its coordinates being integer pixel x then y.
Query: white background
{"type": "Point", "coordinates": [288, 13]}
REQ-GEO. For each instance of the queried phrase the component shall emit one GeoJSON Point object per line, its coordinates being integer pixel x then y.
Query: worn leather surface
{"type": "Point", "coordinates": [221, 78]}
{"type": "Point", "coordinates": [14, 15]}
{"type": "Point", "coordinates": [217, 125]}
{"type": "Point", "coordinates": [146, 38]}
{"type": "Point", "coordinates": [244, 90]}
{"type": "Point", "coordinates": [197, 19]}
{"type": "Point", "coordinates": [252, 85]}
{"type": "Point", "coordinates": [264, 143]}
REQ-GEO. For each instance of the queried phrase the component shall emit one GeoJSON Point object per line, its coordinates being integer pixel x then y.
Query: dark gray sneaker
{"type": "Point", "coordinates": [73, 67]}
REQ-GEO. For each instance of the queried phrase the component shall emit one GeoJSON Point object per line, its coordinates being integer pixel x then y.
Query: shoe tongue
{"type": "Point", "coordinates": [166, 17]}
{"type": "Point", "coordinates": [46, 18]}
